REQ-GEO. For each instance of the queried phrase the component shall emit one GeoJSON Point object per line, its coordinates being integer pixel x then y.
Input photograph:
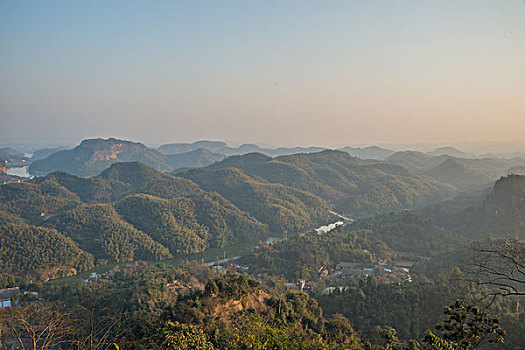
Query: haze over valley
{"type": "Point", "coordinates": [345, 175]}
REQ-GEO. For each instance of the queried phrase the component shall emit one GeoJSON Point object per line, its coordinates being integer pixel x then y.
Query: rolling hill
{"type": "Point", "coordinates": [197, 158]}
{"type": "Point", "coordinates": [94, 155]}
{"type": "Point", "coordinates": [502, 212]}
{"type": "Point", "coordinates": [177, 148]}
{"type": "Point", "coordinates": [464, 173]}
{"type": "Point", "coordinates": [281, 207]}
{"type": "Point", "coordinates": [222, 148]}
{"type": "Point", "coordinates": [371, 152]}
{"type": "Point", "coordinates": [453, 172]}
{"type": "Point", "coordinates": [132, 211]}
{"type": "Point", "coordinates": [26, 249]}
{"type": "Point", "coordinates": [358, 187]}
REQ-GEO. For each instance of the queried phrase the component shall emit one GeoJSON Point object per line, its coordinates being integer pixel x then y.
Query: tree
{"type": "Point", "coordinates": [390, 339]}
{"type": "Point", "coordinates": [177, 336]}
{"type": "Point", "coordinates": [39, 325]}
{"type": "Point", "coordinates": [433, 342]}
{"type": "Point", "coordinates": [499, 263]}
{"type": "Point", "coordinates": [467, 326]}
{"type": "Point", "coordinates": [338, 330]}
{"type": "Point", "coordinates": [95, 331]}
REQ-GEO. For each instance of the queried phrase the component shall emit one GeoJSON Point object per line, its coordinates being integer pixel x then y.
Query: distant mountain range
{"type": "Point", "coordinates": [223, 148]}
{"type": "Point", "coordinates": [371, 152]}
{"type": "Point", "coordinates": [450, 151]}
{"type": "Point", "coordinates": [454, 172]}
{"type": "Point", "coordinates": [196, 158]}
{"type": "Point", "coordinates": [446, 164]}
{"type": "Point", "coordinates": [92, 156]}
{"type": "Point", "coordinates": [463, 173]}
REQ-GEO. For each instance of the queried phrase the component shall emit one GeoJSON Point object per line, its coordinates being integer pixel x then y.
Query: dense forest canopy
{"type": "Point", "coordinates": [132, 211]}
{"type": "Point", "coordinates": [358, 187]}
{"type": "Point", "coordinates": [305, 290]}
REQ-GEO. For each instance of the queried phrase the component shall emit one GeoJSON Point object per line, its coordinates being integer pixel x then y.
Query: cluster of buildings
{"type": "Point", "coordinates": [227, 267]}
{"type": "Point", "coordinates": [357, 270]}
{"type": "Point", "coordinates": [94, 277]}
{"type": "Point", "coordinates": [325, 229]}
{"type": "Point", "coordinates": [7, 295]}
{"type": "Point", "coordinates": [300, 285]}
{"type": "Point", "coordinates": [348, 270]}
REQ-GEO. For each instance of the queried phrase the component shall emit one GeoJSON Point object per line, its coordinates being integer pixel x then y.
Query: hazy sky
{"type": "Point", "coordinates": [283, 72]}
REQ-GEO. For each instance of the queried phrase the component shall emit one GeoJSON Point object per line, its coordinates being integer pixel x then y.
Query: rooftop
{"type": "Point", "coordinates": [6, 294]}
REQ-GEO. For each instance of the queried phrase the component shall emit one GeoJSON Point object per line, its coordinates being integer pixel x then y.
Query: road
{"type": "Point", "coordinates": [342, 217]}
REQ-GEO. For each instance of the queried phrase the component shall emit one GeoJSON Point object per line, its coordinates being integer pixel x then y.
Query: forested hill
{"type": "Point", "coordinates": [283, 208]}
{"type": "Point", "coordinates": [358, 187]}
{"type": "Point", "coordinates": [501, 214]}
{"type": "Point", "coordinates": [93, 156]}
{"type": "Point", "coordinates": [132, 211]}
{"type": "Point", "coordinates": [39, 251]}
{"type": "Point", "coordinates": [457, 168]}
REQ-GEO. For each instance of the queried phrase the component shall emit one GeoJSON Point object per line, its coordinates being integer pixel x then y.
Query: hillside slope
{"type": "Point", "coordinates": [453, 172]}
{"type": "Point", "coordinates": [132, 211]}
{"type": "Point", "coordinates": [502, 212]}
{"type": "Point", "coordinates": [464, 173]}
{"type": "Point", "coordinates": [34, 250]}
{"type": "Point", "coordinates": [351, 185]}
{"type": "Point", "coordinates": [282, 208]}
{"type": "Point", "coordinates": [198, 158]}
{"type": "Point", "coordinates": [94, 155]}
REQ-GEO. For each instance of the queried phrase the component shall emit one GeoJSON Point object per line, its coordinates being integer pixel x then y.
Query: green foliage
{"type": "Point", "coordinates": [9, 218]}
{"type": "Point", "coordinates": [178, 336]}
{"type": "Point", "coordinates": [227, 223]}
{"type": "Point", "coordinates": [408, 233]}
{"type": "Point", "coordinates": [28, 249]}
{"type": "Point", "coordinates": [138, 213]}
{"type": "Point", "coordinates": [303, 255]}
{"type": "Point", "coordinates": [255, 331]}
{"type": "Point", "coordinates": [413, 308]}
{"type": "Point", "coordinates": [467, 326]}
{"type": "Point", "coordinates": [231, 286]}
{"type": "Point", "coordinates": [94, 189]}
{"type": "Point", "coordinates": [282, 208]}
{"type": "Point", "coordinates": [291, 322]}
{"type": "Point", "coordinates": [172, 223]}
{"type": "Point", "coordinates": [99, 230]}
{"type": "Point", "coordinates": [501, 214]}
{"type": "Point", "coordinates": [434, 342]}
{"type": "Point", "coordinates": [140, 178]}
{"type": "Point", "coordinates": [355, 186]}
{"type": "Point", "coordinates": [33, 202]}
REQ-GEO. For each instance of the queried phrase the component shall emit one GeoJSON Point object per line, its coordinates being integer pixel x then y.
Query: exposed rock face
{"type": "Point", "coordinates": [3, 167]}
{"type": "Point", "coordinates": [93, 156]}
{"type": "Point", "coordinates": [507, 199]}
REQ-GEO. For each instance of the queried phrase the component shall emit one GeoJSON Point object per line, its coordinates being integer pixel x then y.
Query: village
{"type": "Point", "coordinates": [335, 277]}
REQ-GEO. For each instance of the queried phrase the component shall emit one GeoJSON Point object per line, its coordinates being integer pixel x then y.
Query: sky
{"type": "Point", "coordinates": [270, 72]}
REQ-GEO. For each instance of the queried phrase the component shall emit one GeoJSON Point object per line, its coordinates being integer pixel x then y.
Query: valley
{"type": "Point", "coordinates": [326, 225]}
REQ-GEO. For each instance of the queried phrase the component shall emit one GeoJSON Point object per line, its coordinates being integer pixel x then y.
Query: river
{"type": "Point", "coordinates": [19, 171]}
